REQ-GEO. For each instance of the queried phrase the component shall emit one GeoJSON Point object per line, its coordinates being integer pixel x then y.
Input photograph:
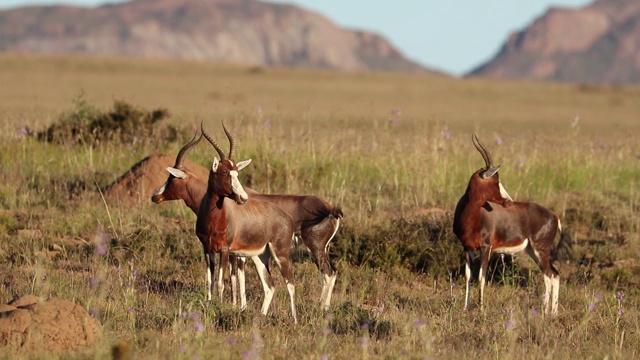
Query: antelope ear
{"type": "Point", "coordinates": [215, 164]}
{"type": "Point", "coordinates": [503, 192]}
{"type": "Point", "coordinates": [177, 173]}
{"type": "Point", "coordinates": [243, 164]}
{"type": "Point", "coordinates": [490, 172]}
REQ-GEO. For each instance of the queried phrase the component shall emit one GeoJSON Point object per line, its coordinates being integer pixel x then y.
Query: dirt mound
{"type": "Point", "coordinates": [140, 182]}
{"type": "Point", "coordinates": [30, 324]}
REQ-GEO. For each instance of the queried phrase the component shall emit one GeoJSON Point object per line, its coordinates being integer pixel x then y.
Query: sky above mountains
{"type": "Point", "coordinates": [451, 36]}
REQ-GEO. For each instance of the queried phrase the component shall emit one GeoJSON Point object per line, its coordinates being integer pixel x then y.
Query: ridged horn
{"type": "Point", "coordinates": [214, 143]}
{"type": "Point", "coordinates": [485, 154]}
{"type": "Point", "coordinates": [232, 143]}
{"type": "Point", "coordinates": [186, 149]}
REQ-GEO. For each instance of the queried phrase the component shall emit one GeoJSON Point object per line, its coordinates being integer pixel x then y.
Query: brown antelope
{"type": "Point", "coordinates": [486, 219]}
{"type": "Point", "coordinates": [228, 224]}
{"type": "Point", "coordinates": [315, 220]}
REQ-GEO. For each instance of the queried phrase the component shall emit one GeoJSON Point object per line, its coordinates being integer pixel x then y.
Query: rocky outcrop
{"type": "Point", "coordinates": [245, 32]}
{"type": "Point", "coordinates": [599, 43]}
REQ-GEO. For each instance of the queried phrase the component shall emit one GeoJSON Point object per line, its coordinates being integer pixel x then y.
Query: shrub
{"type": "Point", "coordinates": [126, 123]}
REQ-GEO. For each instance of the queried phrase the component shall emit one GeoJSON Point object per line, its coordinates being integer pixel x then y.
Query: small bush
{"type": "Point", "coordinates": [125, 123]}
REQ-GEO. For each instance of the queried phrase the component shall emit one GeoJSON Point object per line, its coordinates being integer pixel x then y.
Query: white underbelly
{"type": "Point", "coordinates": [512, 249]}
{"type": "Point", "coordinates": [249, 253]}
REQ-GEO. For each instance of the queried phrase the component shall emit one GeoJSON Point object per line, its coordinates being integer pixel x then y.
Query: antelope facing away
{"type": "Point", "coordinates": [315, 220]}
{"type": "Point", "coordinates": [228, 224]}
{"type": "Point", "coordinates": [486, 219]}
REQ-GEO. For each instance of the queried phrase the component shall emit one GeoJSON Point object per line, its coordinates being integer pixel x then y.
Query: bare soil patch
{"type": "Point", "coordinates": [30, 324]}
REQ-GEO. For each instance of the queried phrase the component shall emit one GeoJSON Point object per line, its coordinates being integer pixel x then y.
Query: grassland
{"type": "Point", "coordinates": [381, 146]}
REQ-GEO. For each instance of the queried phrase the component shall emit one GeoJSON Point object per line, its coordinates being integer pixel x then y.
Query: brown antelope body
{"type": "Point", "coordinates": [228, 224]}
{"type": "Point", "coordinates": [315, 222]}
{"type": "Point", "coordinates": [486, 219]}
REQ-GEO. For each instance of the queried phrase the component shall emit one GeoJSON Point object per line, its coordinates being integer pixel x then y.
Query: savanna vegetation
{"type": "Point", "coordinates": [393, 150]}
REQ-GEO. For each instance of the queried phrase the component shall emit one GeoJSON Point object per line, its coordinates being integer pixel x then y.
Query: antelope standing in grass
{"type": "Point", "coordinates": [315, 220]}
{"type": "Point", "coordinates": [486, 219]}
{"type": "Point", "coordinates": [228, 224]}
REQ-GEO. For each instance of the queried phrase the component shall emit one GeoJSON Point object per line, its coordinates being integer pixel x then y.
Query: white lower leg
{"type": "Point", "coordinates": [220, 282]}
{"type": "Point", "coordinates": [234, 289]}
{"type": "Point", "coordinates": [243, 290]}
{"type": "Point", "coordinates": [292, 294]}
{"type": "Point", "coordinates": [268, 291]}
{"type": "Point", "coordinates": [467, 273]}
{"type": "Point", "coordinates": [548, 285]}
{"type": "Point", "coordinates": [555, 281]}
{"type": "Point", "coordinates": [329, 282]}
{"type": "Point", "coordinates": [209, 275]}
{"type": "Point", "coordinates": [481, 281]}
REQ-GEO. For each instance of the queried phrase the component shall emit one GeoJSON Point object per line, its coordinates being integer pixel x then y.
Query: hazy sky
{"type": "Point", "coordinates": [450, 35]}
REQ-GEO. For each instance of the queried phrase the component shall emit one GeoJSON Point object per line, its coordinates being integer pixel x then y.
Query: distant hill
{"type": "Point", "coordinates": [229, 31]}
{"type": "Point", "coordinates": [599, 43]}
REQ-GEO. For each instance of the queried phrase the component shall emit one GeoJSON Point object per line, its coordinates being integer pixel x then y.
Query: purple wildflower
{"type": "Point", "coordinates": [327, 331]}
{"type": "Point", "coordinates": [535, 312]}
{"type": "Point", "coordinates": [102, 249]}
{"type": "Point", "coordinates": [328, 317]}
{"type": "Point", "coordinates": [364, 341]}
{"type": "Point", "coordinates": [510, 324]}
{"type": "Point", "coordinates": [499, 140]}
{"type": "Point", "coordinates": [135, 273]}
{"type": "Point", "coordinates": [184, 314]}
{"type": "Point", "coordinates": [22, 132]}
{"type": "Point", "coordinates": [198, 326]}
{"type": "Point", "coordinates": [324, 357]}
{"type": "Point", "coordinates": [231, 340]}
{"type": "Point", "coordinates": [93, 283]}
{"type": "Point", "coordinates": [447, 132]}
{"type": "Point", "coordinates": [419, 323]}
{"type": "Point", "coordinates": [94, 313]}
{"type": "Point", "coordinates": [599, 297]}
{"type": "Point", "coordinates": [620, 311]}
{"type": "Point", "coordinates": [620, 295]}
{"type": "Point", "coordinates": [520, 164]}
{"type": "Point", "coordinates": [591, 307]}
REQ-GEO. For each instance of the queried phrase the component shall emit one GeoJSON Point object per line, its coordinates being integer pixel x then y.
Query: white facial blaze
{"type": "Point", "coordinates": [161, 189]}
{"type": "Point", "coordinates": [237, 186]}
{"type": "Point", "coordinates": [503, 192]}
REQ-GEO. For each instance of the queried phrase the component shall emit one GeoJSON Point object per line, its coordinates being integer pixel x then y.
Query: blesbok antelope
{"type": "Point", "coordinates": [183, 184]}
{"type": "Point", "coordinates": [315, 221]}
{"type": "Point", "coordinates": [228, 223]}
{"type": "Point", "coordinates": [486, 219]}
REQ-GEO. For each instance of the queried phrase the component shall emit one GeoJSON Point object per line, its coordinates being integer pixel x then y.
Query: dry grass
{"type": "Point", "coordinates": [379, 145]}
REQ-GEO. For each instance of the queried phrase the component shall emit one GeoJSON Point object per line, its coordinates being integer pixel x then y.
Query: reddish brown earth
{"type": "Point", "coordinates": [30, 324]}
{"type": "Point", "coordinates": [136, 186]}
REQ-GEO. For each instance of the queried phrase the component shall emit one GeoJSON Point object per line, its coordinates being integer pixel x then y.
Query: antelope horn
{"type": "Point", "coordinates": [186, 149]}
{"type": "Point", "coordinates": [214, 143]}
{"type": "Point", "coordinates": [485, 154]}
{"type": "Point", "coordinates": [232, 143]}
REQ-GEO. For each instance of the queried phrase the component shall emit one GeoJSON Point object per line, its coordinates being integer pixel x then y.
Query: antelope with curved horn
{"type": "Point", "coordinates": [229, 224]}
{"type": "Point", "coordinates": [316, 222]}
{"type": "Point", "coordinates": [486, 219]}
